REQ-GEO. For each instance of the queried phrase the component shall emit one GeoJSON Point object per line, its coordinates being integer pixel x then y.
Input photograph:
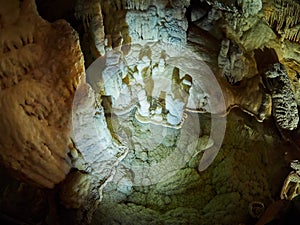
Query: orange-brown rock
{"type": "Point", "coordinates": [40, 67]}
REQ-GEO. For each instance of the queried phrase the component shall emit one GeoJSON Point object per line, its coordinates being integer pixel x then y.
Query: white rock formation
{"type": "Point", "coordinates": [93, 140]}
{"type": "Point", "coordinates": [169, 25]}
{"type": "Point", "coordinates": [90, 13]}
{"type": "Point", "coordinates": [164, 82]}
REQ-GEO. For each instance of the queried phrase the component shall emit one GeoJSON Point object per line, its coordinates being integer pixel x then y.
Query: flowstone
{"type": "Point", "coordinates": [219, 195]}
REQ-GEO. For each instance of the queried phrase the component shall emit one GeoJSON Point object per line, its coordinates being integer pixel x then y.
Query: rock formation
{"type": "Point", "coordinates": [41, 65]}
{"type": "Point", "coordinates": [285, 108]}
{"type": "Point", "coordinates": [175, 121]}
{"type": "Point", "coordinates": [283, 16]}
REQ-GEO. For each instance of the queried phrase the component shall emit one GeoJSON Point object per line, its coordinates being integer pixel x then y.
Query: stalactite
{"type": "Point", "coordinates": [284, 17]}
{"type": "Point", "coordinates": [293, 34]}
{"type": "Point", "coordinates": [90, 13]}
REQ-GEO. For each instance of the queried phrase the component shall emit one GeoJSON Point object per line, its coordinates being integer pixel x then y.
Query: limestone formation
{"type": "Point", "coordinates": [250, 7]}
{"type": "Point", "coordinates": [93, 152]}
{"type": "Point", "coordinates": [227, 5]}
{"type": "Point", "coordinates": [41, 65]}
{"type": "Point", "coordinates": [90, 13]}
{"type": "Point", "coordinates": [284, 17]}
{"type": "Point", "coordinates": [133, 21]}
{"type": "Point", "coordinates": [290, 188]}
{"type": "Point", "coordinates": [161, 81]}
{"type": "Point", "coordinates": [140, 138]}
{"type": "Point", "coordinates": [156, 24]}
{"type": "Point", "coordinates": [245, 7]}
{"type": "Point", "coordinates": [234, 64]}
{"type": "Point", "coordinates": [285, 108]}
{"type": "Point", "coordinates": [209, 22]}
{"type": "Point", "coordinates": [291, 61]}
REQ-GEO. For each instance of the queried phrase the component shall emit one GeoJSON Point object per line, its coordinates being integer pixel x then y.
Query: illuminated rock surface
{"type": "Point", "coordinates": [41, 64]}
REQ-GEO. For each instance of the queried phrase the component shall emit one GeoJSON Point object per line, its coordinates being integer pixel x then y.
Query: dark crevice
{"type": "Point", "coordinates": [264, 58]}
{"type": "Point", "coordinates": [52, 10]}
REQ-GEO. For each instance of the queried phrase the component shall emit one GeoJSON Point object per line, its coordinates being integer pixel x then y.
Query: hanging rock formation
{"type": "Point", "coordinates": [284, 17]}
{"type": "Point", "coordinates": [285, 108]}
{"type": "Point", "coordinates": [168, 24]}
{"type": "Point", "coordinates": [90, 13]}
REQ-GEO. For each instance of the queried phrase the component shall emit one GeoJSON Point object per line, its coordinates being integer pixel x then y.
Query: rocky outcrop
{"type": "Point", "coordinates": [285, 108]}
{"type": "Point", "coordinates": [93, 153]}
{"type": "Point", "coordinates": [133, 21]}
{"type": "Point", "coordinates": [41, 64]}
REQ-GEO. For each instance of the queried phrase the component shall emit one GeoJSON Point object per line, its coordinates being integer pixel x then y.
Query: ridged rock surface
{"type": "Point", "coordinates": [40, 66]}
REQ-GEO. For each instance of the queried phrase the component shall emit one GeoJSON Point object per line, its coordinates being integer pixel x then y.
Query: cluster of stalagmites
{"type": "Point", "coordinates": [236, 56]}
{"type": "Point", "coordinates": [233, 62]}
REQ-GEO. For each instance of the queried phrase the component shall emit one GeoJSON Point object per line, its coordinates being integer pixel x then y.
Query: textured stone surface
{"type": "Point", "coordinates": [219, 195]}
{"type": "Point", "coordinates": [285, 108]}
{"type": "Point", "coordinates": [283, 16]}
{"type": "Point", "coordinates": [168, 25]}
{"type": "Point", "coordinates": [91, 137]}
{"type": "Point", "coordinates": [41, 64]}
{"type": "Point", "coordinates": [235, 65]}
{"type": "Point", "coordinates": [250, 7]}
